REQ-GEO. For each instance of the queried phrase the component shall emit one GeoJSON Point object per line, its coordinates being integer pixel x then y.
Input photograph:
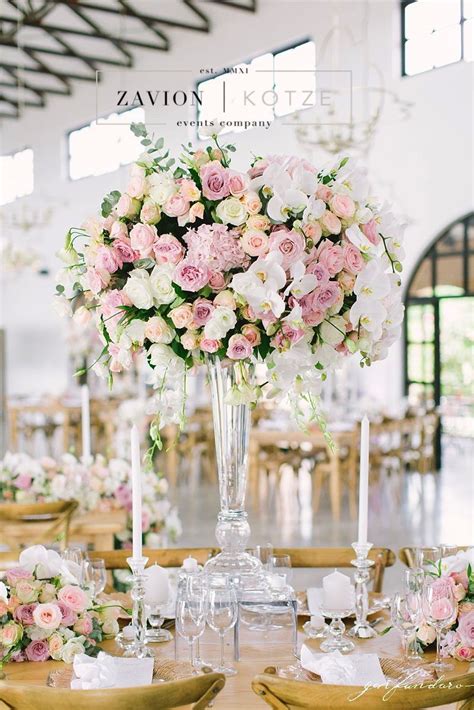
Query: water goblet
{"type": "Point", "coordinates": [406, 615]}
{"type": "Point", "coordinates": [281, 564]}
{"type": "Point", "coordinates": [337, 640]}
{"type": "Point", "coordinates": [439, 609]}
{"type": "Point", "coordinates": [94, 576]}
{"type": "Point", "coordinates": [190, 619]}
{"type": "Point", "coordinates": [222, 614]}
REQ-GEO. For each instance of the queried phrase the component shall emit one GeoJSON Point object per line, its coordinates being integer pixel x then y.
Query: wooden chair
{"type": "Point", "coordinates": [284, 694]}
{"type": "Point", "coordinates": [25, 524]}
{"type": "Point", "coordinates": [407, 554]}
{"type": "Point", "coordinates": [198, 692]}
{"type": "Point", "coordinates": [301, 557]}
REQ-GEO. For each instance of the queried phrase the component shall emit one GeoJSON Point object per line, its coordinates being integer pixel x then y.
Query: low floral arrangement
{"type": "Point", "coordinates": [102, 486]}
{"type": "Point", "coordinates": [456, 572]}
{"type": "Point", "coordinates": [284, 264]}
{"type": "Point", "coordinates": [44, 613]}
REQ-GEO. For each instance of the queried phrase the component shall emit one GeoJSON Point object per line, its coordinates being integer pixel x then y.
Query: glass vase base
{"type": "Point", "coordinates": [362, 631]}
{"type": "Point", "coordinates": [246, 571]}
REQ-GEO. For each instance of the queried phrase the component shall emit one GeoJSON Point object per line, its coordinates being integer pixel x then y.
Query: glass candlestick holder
{"type": "Point", "coordinates": [156, 619]}
{"type": "Point", "coordinates": [362, 564]}
{"type": "Point", "coordinates": [138, 649]}
{"type": "Point", "coordinates": [337, 640]}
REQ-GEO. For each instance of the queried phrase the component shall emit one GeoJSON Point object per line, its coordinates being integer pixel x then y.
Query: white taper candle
{"type": "Point", "coordinates": [136, 493]}
{"type": "Point", "coordinates": [85, 423]}
{"type": "Point", "coordinates": [364, 480]}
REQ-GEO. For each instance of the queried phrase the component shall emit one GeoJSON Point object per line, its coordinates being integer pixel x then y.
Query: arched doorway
{"type": "Point", "coordinates": [439, 330]}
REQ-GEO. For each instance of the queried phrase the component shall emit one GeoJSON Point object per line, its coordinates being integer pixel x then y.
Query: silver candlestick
{"type": "Point", "coordinates": [138, 648]}
{"type": "Point", "coordinates": [362, 564]}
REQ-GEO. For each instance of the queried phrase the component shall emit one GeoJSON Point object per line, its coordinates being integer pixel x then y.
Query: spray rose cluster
{"type": "Point", "coordinates": [45, 614]}
{"type": "Point", "coordinates": [284, 264]}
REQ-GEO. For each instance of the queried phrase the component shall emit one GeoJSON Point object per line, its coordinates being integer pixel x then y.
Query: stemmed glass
{"type": "Point", "coordinates": [74, 557]}
{"type": "Point", "coordinates": [406, 617]}
{"type": "Point", "coordinates": [414, 581]}
{"type": "Point", "coordinates": [281, 564]}
{"type": "Point", "coordinates": [439, 608]}
{"type": "Point", "coordinates": [191, 610]}
{"type": "Point", "coordinates": [222, 614]}
{"type": "Point", "coordinates": [94, 575]}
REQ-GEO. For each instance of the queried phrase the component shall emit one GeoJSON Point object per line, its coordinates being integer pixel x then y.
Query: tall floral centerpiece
{"type": "Point", "coordinates": [285, 264]}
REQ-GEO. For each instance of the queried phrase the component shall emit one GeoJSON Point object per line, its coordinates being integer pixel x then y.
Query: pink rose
{"type": "Point", "coordinates": [47, 616]}
{"type": "Point", "coordinates": [23, 481]}
{"type": "Point", "coordinates": [123, 249]}
{"type": "Point", "coordinates": [108, 259]}
{"type": "Point", "coordinates": [97, 279]}
{"type": "Point", "coordinates": [331, 256]}
{"type": "Point", "coordinates": [189, 340]}
{"type": "Point", "coordinates": [16, 573]}
{"type": "Point", "coordinates": [324, 193]}
{"type": "Point", "coordinates": [191, 276]}
{"type": "Point", "coordinates": [289, 244]}
{"type": "Point", "coordinates": [127, 206]}
{"type": "Point", "coordinates": [225, 298]}
{"type": "Point", "coordinates": [442, 587]}
{"type": "Point", "coordinates": [331, 223]}
{"type": "Point", "coordinates": [37, 651]}
{"type": "Point", "coordinates": [258, 221]}
{"type": "Point", "coordinates": [189, 190]}
{"type": "Point", "coordinates": [137, 186]}
{"type": "Point", "coordinates": [74, 597]}
{"type": "Point", "coordinates": [175, 206]}
{"type": "Point", "coordinates": [168, 249]}
{"type": "Point", "coordinates": [216, 280]}
{"type": "Point", "coordinates": [196, 211]}
{"type": "Point", "coordinates": [68, 615]}
{"type": "Point", "coordinates": [293, 335]}
{"type": "Point", "coordinates": [463, 653]}
{"type": "Point", "coordinates": [312, 230]}
{"type": "Point", "coordinates": [326, 296]}
{"type": "Point", "coordinates": [208, 345]}
{"type": "Point", "coordinates": [24, 614]}
{"type": "Point", "coordinates": [26, 591]}
{"type": "Point", "coordinates": [83, 625]}
{"type": "Point", "coordinates": [342, 206]}
{"type": "Point", "coordinates": [123, 495]}
{"type": "Point", "coordinates": [118, 230]}
{"type": "Point", "coordinates": [371, 231]}
{"type": "Point", "coordinates": [215, 180]}
{"type": "Point", "coordinates": [346, 281]}
{"type": "Point", "coordinates": [202, 311]}
{"type": "Point", "coordinates": [182, 316]}
{"type": "Point", "coordinates": [150, 212]}
{"type": "Point", "coordinates": [460, 578]}
{"type": "Point", "coordinates": [238, 348]}
{"type": "Point", "coordinates": [320, 271]}
{"type": "Point", "coordinates": [238, 183]}
{"type": "Point", "coordinates": [252, 333]}
{"type": "Point", "coordinates": [466, 629]}
{"type": "Point", "coordinates": [353, 260]}
{"type": "Point", "coordinates": [466, 607]}
{"type": "Point", "coordinates": [252, 202]}
{"type": "Point", "coordinates": [258, 168]}
{"type": "Point", "coordinates": [142, 238]}
{"type": "Point", "coordinates": [158, 331]}
{"type": "Point", "coordinates": [254, 242]}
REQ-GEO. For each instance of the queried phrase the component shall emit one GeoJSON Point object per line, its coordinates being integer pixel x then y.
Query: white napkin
{"type": "Point", "coordinates": [336, 669]}
{"type": "Point", "coordinates": [110, 672]}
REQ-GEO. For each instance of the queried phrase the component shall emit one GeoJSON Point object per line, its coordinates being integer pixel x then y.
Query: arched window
{"type": "Point", "coordinates": [439, 328]}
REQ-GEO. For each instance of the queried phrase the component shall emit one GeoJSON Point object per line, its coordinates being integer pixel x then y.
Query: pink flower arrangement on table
{"type": "Point", "coordinates": [285, 264]}
{"type": "Point", "coordinates": [45, 614]}
{"type": "Point", "coordinates": [457, 573]}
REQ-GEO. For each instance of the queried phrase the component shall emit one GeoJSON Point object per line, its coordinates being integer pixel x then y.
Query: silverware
{"type": "Point", "coordinates": [376, 621]}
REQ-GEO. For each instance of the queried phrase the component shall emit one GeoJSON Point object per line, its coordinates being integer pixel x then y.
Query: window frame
{"type": "Point", "coordinates": [11, 154]}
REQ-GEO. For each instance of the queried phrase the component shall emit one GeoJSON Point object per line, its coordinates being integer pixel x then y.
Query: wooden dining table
{"type": "Point", "coordinates": [256, 655]}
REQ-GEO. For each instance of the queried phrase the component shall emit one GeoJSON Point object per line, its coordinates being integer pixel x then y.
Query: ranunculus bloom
{"type": "Point", "coordinates": [168, 249]}
{"type": "Point", "coordinates": [74, 597]}
{"type": "Point", "coordinates": [202, 311]}
{"type": "Point", "coordinates": [191, 277]}
{"type": "Point", "coordinates": [239, 347]}
{"type": "Point", "coordinates": [142, 238]}
{"type": "Point", "coordinates": [289, 243]}
{"type": "Point", "coordinates": [215, 180]}
{"type": "Point", "coordinates": [37, 651]}
{"type": "Point", "coordinates": [47, 616]}
{"type": "Point", "coordinates": [342, 206]}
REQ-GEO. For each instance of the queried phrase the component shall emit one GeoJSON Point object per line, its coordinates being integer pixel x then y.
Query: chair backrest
{"type": "Point", "coordinates": [287, 694]}
{"type": "Point", "coordinates": [197, 692]}
{"type": "Point", "coordinates": [407, 555]}
{"type": "Point", "coordinates": [24, 524]}
{"type": "Point", "coordinates": [301, 557]}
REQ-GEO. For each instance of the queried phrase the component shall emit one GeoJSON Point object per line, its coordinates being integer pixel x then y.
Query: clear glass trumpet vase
{"type": "Point", "coordinates": [231, 433]}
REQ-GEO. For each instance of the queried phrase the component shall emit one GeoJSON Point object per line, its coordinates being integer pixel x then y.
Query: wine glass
{"type": "Point", "coordinates": [281, 564]}
{"type": "Point", "coordinates": [197, 585]}
{"type": "Point", "coordinates": [406, 617]}
{"type": "Point", "coordinates": [439, 608]}
{"type": "Point", "coordinates": [427, 559]}
{"type": "Point", "coordinates": [94, 575]}
{"type": "Point", "coordinates": [221, 616]}
{"type": "Point", "coordinates": [190, 617]}
{"type": "Point", "coordinates": [74, 557]}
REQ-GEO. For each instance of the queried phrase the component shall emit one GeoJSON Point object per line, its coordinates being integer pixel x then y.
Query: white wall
{"type": "Point", "coordinates": [424, 162]}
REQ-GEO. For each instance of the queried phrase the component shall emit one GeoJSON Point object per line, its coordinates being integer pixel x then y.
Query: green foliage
{"type": "Point", "coordinates": [109, 202]}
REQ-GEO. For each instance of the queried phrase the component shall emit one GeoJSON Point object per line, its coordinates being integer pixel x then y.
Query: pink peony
{"type": "Point", "coordinates": [74, 597]}
{"type": "Point", "coordinates": [108, 259]}
{"type": "Point", "coordinates": [239, 347]}
{"type": "Point", "coordinates": [466, 629]}
{"type": "Point", "coordinates": [123, 249]}
{"type": "Point", "coordinates": [191, 276]}
{"type": "Point", "coordinates": [24, 614]}
{"type": "Point", "coordinates": [142, 238]}
{"type": "Point", "coordinates": [175, 206]}
{"type": "Point", "coordinates": [353, 260]}
{"type": "Point", "coordinates": [208, 345]}
{"type": "Point", "coordinates": [342, 206]}
{"type": "Point", "coordinates": [37, 651]}
{"type": "Point", "coordinates": [331, 256]}
{"type": "Point", "coordinates": [202, 311]}
{"type": "Point", "coordinates": [289, 244]}
{"type": "Point", "coordinates": [371, 231]}
{"type": "Point", "coordinates": [215, 180]}
{"type": "Point", "coordinates": [47, 616]}
{"type": "Point", "coordinates": [168, 249]}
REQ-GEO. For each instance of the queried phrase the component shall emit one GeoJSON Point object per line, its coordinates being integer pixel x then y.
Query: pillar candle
{"type": "Point", "coordinates": [136, 493]}
{"type": "Point", "coordinates": [337, 591]}
{"type": "Point", "coordinates": [364, 480]}
{"type": "Point", "coordinates": [156, 585]}
{"type": "Point", "coordinates": [85, 423]}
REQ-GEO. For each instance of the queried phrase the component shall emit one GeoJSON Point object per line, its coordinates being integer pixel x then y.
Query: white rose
{"type": "Point", "coordinates": [333, 331]}
{"type": "Point", "coordinates": [139, 289]}
{"type": "Point", "coordinates": [162, 284]}
{"type": "Point", "coordinates": [71, 648]}
{"type": "Point", "coordinates": [165, 360]}
{"type": "Point", "coordinates": [161, 187]}
{"type": "Point", "coordinates": [231, 211]}
{"type": "Point", "coordinates": [110, 627]}
{"type": "Point", "coordinates": [221, 321]}
{"type": "Point", "coordinates": [134, 332]}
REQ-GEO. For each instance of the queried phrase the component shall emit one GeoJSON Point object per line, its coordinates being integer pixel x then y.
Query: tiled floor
{"type": "Point", "coordinates": [416, 510]}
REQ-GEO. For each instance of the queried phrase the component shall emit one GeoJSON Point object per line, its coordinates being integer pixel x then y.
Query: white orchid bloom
{"type": "Point", "coordinates": [370, 313]}
{"type": "Point", "coordinates": [394, 315]}
{"type": "Point", "coordinates": [314, 210]}
{"type": "Point", "coordinates": [302, 283]}
{"type": "Point", "coordinates": [358, 238]}
{"type": "Point", "coordinates": [305, 180]}
{"type": "Point", "coordinates": [3, 592]}
{"type": "Point", "coordinates": [372, 282]}
{"type": "Point", "coordinates": [276, 209]}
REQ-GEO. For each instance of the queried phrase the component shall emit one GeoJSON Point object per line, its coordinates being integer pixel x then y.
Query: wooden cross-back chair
{"type": "Point", "coordinates": [283, 694]}
{"type": "Point", "coordinates": [197, 692]}
{"type": "Point", "coordinates": [301, 557]}
{"type": "Point", "coordinates": [407, 555]}
{"type": "Point", "coordinates": [25, 524]}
